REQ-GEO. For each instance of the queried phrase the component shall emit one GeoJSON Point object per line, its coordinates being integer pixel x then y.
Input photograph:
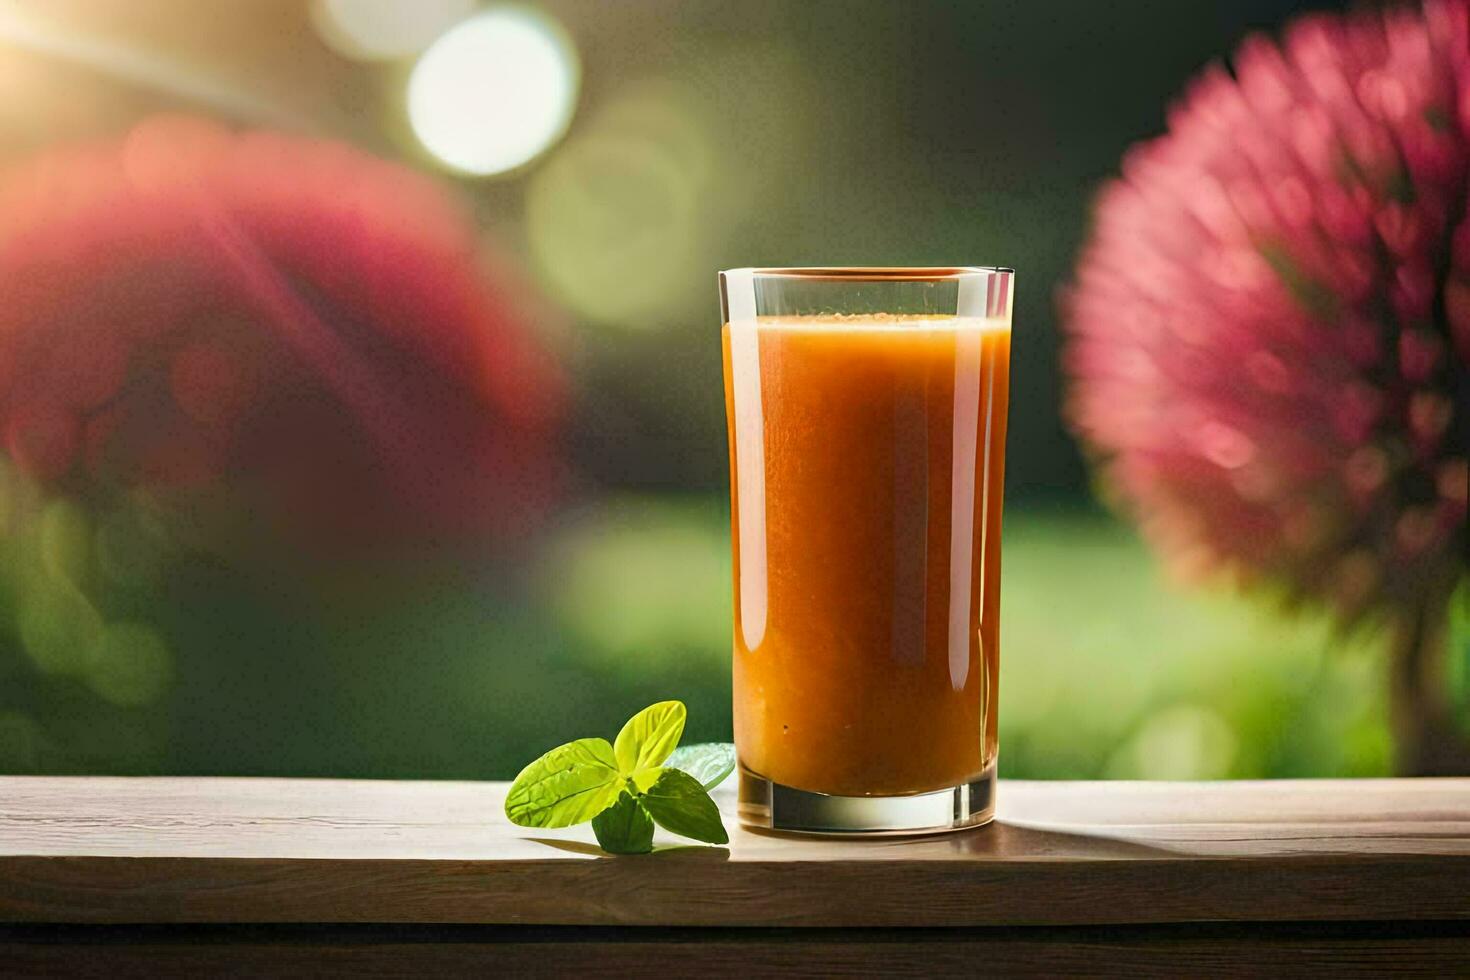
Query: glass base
{"type": "Point", "coordinates": [772, 806]}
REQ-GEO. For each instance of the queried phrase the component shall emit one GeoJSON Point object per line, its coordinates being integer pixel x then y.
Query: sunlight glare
{"type": "Point", "coordinates": [494, 92]}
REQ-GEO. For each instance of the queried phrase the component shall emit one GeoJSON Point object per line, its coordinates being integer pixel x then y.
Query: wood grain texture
{"type": "Point", "coordinates": [1342, 951]}
{"type": "Point", "coordinates": [102, 850]}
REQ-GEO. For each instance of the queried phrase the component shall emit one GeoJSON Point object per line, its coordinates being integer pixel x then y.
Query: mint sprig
{"type": "Point", "coordinates": [626, 787]}
{"type": "Point", "coordinates": [677, 803]}
{"type": "Point", "coordinates": [624, 828]}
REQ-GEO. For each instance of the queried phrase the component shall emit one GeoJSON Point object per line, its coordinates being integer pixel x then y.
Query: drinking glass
{"type": "Point", "coordinates": [866, 414]}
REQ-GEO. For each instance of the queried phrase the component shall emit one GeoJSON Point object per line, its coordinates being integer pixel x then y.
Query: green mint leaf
{"type": "Point", "coordinates": [709, 763]}
{"type": "Point", "coordinates": [649, 736]}
{"type": "Point", "coordinates": [568, 785]}
{"type": "Point", "coordinates": [624, 827]}
{"type": "Point", "coordinates": [644, 778]}
{"type": "Point", "coordinates": [679, 804]}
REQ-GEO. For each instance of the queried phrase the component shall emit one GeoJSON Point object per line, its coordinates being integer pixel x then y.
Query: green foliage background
{"type": "Point", "coordinates": [1106, 670]}
{"type": "Point", "coordinates": [708, 135]}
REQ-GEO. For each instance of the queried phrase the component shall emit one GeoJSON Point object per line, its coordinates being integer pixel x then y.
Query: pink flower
{"type": "Point", "coordinates": [285, 323]}
{"type": "Point", "coordinates": [1270, 324]}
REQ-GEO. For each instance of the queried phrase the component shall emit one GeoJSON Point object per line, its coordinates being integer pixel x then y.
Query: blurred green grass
{"type": "Point", "coordinates": [1107, 670]}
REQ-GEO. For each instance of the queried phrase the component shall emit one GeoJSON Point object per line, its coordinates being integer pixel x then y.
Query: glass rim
{"type": "Point", "coordinates": [876, 273]}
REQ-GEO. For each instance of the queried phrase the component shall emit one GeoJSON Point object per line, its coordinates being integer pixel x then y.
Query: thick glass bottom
{"type": "Point", "coordinates": [772, 806]}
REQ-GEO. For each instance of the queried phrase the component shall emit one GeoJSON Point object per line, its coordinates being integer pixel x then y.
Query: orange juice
{"type": "Point", "coordinates": [867, 461]}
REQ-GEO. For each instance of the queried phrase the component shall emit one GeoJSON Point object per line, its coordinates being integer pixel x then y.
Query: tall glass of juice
{"type": "Point", "coordinates": [867, 426]}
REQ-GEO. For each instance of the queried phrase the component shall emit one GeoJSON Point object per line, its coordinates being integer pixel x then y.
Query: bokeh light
{"type": "Point", "coordinates": [133, 666]}
{"type": "Point", "coordinates": [494, 92]}
{"type": "Point", "coordinates": [64, 540]}
{"type": "Point", "coordinates": [1183, 741]}
{"type": "Point", "coordinates": [615, 220]}
{"type": "Point", "coordinates": [643, 578]}
{"type": "Point", "coordinates": [58, 627]}
{"type": "Point", "coordinates": [380, 30]}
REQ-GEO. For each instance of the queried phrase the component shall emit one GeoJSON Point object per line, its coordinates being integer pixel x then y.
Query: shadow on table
{"type": "Point", "coordinates": [1001, 840]}
{"type": "Point", "coordinates": [1005, 840]}
{"type": "Point", "coordinates": [702, 852]}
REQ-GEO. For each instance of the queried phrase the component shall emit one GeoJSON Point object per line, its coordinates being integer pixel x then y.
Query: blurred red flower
{"type": "Point", "coordinates": [1270, 333]}
{"type": "Point", "coordinates": [285, 323]}
{"type": "Point", "coordinates": [1272, 315]}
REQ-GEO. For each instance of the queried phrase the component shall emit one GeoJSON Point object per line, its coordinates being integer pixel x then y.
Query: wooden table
{"type": "Point", "coordinates": [124, 876]}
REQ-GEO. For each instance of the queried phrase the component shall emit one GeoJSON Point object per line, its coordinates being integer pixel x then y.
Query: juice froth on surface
{"type": "Point", "coordinates": [873, 322]}
{"type": "Point", "coordinates": [868, 454]}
